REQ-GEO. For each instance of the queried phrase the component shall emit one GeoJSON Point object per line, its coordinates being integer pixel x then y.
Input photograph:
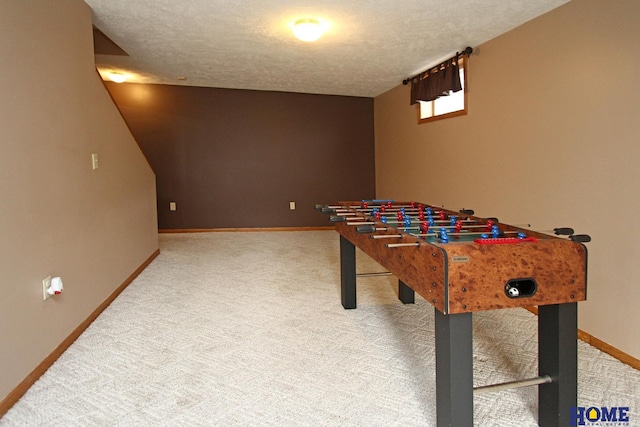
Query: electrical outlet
{"type": "Point", "coordinates": [94, 161]}
{"type": "Point", "coordinates": [292, 206]}
{"type": "Point", "coordinates": [46, 283]}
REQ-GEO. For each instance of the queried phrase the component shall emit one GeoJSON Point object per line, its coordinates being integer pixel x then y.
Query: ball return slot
{"type": "Point", "coordinates": [520, 288]}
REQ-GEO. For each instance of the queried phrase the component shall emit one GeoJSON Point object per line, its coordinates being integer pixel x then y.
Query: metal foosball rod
{"type": "Point", "coordinates": [330, 209]}
{"type": "Point", "coordinates": [346, 214]}
{"type": "Point", "coordinates": [362, 228]}
{"type": "Point", "coordinates": [435, 213]}
{"type": "Point", "coordinates": [377, 274]}
{"type": "Point", "coordinates": [344, 218]}
{"type": "Point", "coordinates": [437, 223]}
{"type": "Point", "coordinates": [569, 232]}
{"type": "Point", "coordinates": [401, 245]}
{"type": "Point", "coordinates": [432, 234]}
{"type": "Point", "coordinates": [564, 231]}
{"type": "Point", "coordinates": [333, 209]}
{"type": "Point", "coordinates": [558, 231]}
{"type": "Point", "coordinates": [396, 210]}
{"type": "Point", "coordinates": [360, 222]}
{"type": "Point", "coordinates": [471, 233]}
{"type": "Point", "coordinates": [338, 209]}
{"type": "Point", "coordinates": [367, 228]}
{"type": "Point", "coordinates": [545, 379]}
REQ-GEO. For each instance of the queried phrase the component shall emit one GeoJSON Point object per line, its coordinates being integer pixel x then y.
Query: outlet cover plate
{"type": "Point", "coordinates": [46, 283]}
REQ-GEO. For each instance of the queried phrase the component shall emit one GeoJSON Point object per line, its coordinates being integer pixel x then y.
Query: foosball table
{"type": "Point", "coordinates": [461, 263]}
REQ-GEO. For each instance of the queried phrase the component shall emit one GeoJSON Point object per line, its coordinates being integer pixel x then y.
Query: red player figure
{"type": "Point", "coordinates": [424, 227]}
{"type": "Point", "coordinates": [490, 224]}
{"type": "Point", "coordinates": [457, 229]}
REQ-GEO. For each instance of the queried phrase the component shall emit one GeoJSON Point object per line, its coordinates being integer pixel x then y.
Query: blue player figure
{"type": "Point", "coordinates": [444, 237]}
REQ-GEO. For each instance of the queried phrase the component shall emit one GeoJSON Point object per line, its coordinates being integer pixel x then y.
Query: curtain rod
{"type": "Point", "coordinates": [467, 51]}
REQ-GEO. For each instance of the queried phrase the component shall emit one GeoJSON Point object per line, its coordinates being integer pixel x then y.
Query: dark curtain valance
{"type": "Point", "coordinates": [437, 81]}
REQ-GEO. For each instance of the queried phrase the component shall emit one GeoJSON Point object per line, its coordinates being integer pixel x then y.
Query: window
{"type": "Point", "coordinates": [455, 104]}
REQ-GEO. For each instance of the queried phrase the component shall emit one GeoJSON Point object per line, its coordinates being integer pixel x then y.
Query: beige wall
{"type": "Point", "coordinates": [57, 216]}
{"type": "Point", "coordinates": [551, 139]}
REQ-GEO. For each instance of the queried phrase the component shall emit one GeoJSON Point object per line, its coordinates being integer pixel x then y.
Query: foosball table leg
{"type": "Point", "coordinates": [557, 358]}
{"type": "Point", "coordinates": [405, 294]}
{"type": "Point", "coordinates": [347, 273]}
{"type": "Point", "coordinates": [454, 369]}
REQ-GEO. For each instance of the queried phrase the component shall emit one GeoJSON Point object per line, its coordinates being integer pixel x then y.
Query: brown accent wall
{"type": "Point", "coordinates": [58, 216]}
{"type": "Point", "coordinates": [551, 140]}
{"type": "Point", "coordinates": [236, 158]}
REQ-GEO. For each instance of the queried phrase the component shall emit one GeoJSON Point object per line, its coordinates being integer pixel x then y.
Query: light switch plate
{"type": "Point", "coordinates": [46, 283]}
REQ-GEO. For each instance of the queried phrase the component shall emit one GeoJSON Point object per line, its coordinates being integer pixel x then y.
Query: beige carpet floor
{"type": "Point", "coordinates": [246, 329]}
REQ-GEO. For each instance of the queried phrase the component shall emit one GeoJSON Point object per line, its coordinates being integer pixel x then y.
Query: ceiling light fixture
{"type": "Point", "coordinates": [307, 29]}
{"type": "Point", "coordinates": [117, 77]}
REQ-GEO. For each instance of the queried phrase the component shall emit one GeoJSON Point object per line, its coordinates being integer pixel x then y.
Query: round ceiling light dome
{"type": "Point", "coordinates": [117, 77]}
{"type": "Point", "coordinates": [307, 29]}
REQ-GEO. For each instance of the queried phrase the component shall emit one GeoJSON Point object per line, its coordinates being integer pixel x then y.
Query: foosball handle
{"type": "Point", "coordinates": [467, 211]}
{"type": "Point", "coordinates": [582, 238]}
{"type": "Point", "coordinates": [337, 218]}
{"type": "Point", "coordinates": [325, 209]}
{"type": "Point", "coordinates": [563, 231]}
{"type": "Point", "coordinates": [362, 229]}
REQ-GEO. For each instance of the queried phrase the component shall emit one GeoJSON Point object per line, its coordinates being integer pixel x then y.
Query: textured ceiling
{"type": "Point", "coordinates": [371, 46]}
